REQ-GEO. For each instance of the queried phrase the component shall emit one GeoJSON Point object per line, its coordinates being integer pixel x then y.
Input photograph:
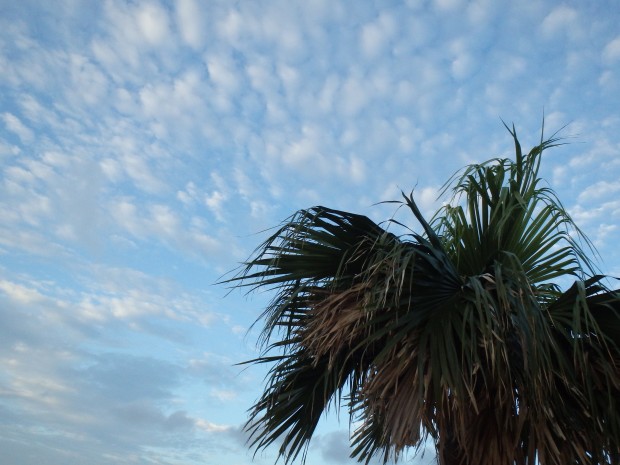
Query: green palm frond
{"type": "Point", "coordinates": [507, 213]}
{"type": "Point", "coordinates": [460, 333]}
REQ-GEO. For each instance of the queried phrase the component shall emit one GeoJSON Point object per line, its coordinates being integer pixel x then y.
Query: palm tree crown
{"type": "Point", "coordinates": [459, 332]}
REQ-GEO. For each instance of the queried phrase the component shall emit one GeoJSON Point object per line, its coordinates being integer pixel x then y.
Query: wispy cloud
{"type": "Point", "coordinates": [611, 52]}
{"type": "Point", "coordinates": [80, 376]}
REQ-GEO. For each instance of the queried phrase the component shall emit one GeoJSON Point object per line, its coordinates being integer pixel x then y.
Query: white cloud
{"type": "Point", "coordinates": [55, 193]}
{"type": "Point", "coordinates": [214, 197]}
{"type": "Point", "coordinates": [290, 77]}
{"type": "Point", "coordinates": [335, 447]}
{"type": "Point", "coordinates": [35, 209]}
{"type": "Point", "coordinates": [511, 67]}
{"type": "Point", "coordinates": [224, 395]}
{"type": "Point", "coordinates": [603, 232]}
{"type": "Point", "coordinates": [462, 66]}
{"type": "Point", "coordinates": [112, 169]}
{"type": "Point", "coordinates": [212, 427]}
{"type": "Point", "coordinates": [142, 308]}
{"type": "Point", "coordinates": [223, 73]}
{"type": "Point", "coordinates": [562, 19]}
{"type": "Point", "coordinates": [554, 121]}
{"type": "Point", "coordinates": [463, 63]}
{"type": "Point", "coordinates": [34, 65]}
{"type": "Point", "coordinates": [585, 216]}
{"type": "Point", "coordinates": [357, 170]}
{"type": "Point", "coordinates": [480, 12]}
{"type": "Point", "coordinates": [376, 35]}
{"type": "Point", "coordinates": [232, 26]}
{"type": "Point", "coordinates": [260, 210]}
{"type": "Point", "coordinates": [427, 199]}
{"type": "Point", "coordinates": [239, 330]}
{"type": "Point", "coordinates": [261, 76]}
{"type": "Point", "coordinates": [144, 305]}
{"type": "Point", "coordinates": [17, 177]}
{"type": "Point", "coordinates": [88, 83]}
{"type": "Point", "coordinates": [8, 150]}
{"type": "Point", "coordinates": [133, 42]}
{"type": "Point", "coordinates": [124, 101]}
{"type": "Point", "coordinates": [354, 95]}
{"type": "Point", "coordinates": [328, 93]}
{"type": "Point", "coordinates": [598, 190]}
{"type": "Point", "coordinates": [279, 25]}
{"type": "Point", "coordinates": [19, 293]}
{"type": "Point", "coordinates": [448, 5]}
{"type": "Point", "coordinates": [97, 405]}
{"type": "Point", "coordinates": [349, 136]}
{"type": "Point", "coordinates": [138, 169]}
{"type": "Point", "coordinates": [607, 79]}
{"type": "Point", "coordinates": [34, 111]}
{"type": "Point", "coordinates": [305, 149]}
{"type": "Point", "coordinates": [611, 52]}
{"type": "Point", "coordinates": [189, 194]}
{"type": "Point", "coordinates": [153, 221]}
{"type": "Point", "coordinates": [173, 100]}
{"type": "Point", "coordinates": [191, 22]}
{"type": "Point", "coordinates": [16, 126]}
{"type": "Point", "coordinates": [122, 38]}
{"type": "Point", "coordinates": [153, 23]}
{"type": "Point", "coordinates": [560, 174]}
{"type": "Point", "coordinates": [215, 202]}
{"type": "Point", "coordinates": [163, 223]}
{"type": "Point", "coordinates": [602, 153]}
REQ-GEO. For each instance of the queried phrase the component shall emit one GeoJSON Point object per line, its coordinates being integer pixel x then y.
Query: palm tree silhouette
{"type": "Point", "coordinates": [459, 333]}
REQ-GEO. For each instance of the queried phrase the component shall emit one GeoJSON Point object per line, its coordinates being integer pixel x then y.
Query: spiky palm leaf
{"type": "Point", "coordinates": [460, 332]}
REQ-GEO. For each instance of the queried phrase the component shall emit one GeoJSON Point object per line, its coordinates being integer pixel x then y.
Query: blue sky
{"type": "Point", "coordinates": [144, 146]}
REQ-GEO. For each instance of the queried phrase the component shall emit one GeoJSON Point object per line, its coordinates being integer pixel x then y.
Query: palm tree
{"type": "Point", "coordinates": [459, 333]}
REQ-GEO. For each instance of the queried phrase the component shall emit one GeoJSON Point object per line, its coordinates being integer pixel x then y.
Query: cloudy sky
{"type": "Point", "coordinates": [144, 146]}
